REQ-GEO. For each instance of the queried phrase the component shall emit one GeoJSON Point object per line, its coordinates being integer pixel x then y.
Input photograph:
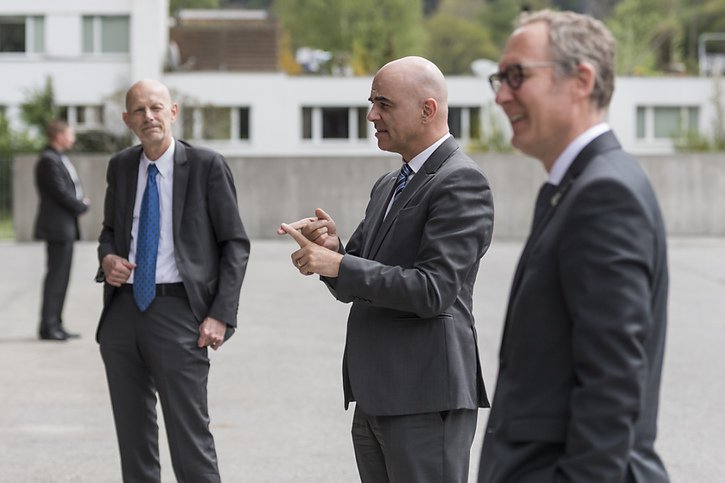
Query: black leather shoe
{"type": "Point", "coordinates": [70, 335]}
{"type": "Point", "coordinates": [53, 334]}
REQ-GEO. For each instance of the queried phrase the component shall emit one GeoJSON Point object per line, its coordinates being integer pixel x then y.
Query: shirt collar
{"type": "Point", "coordinates": [562, 163]}
{"type": "Point", "coordinates": [417, 162]}
{"type": "Point", "coordinates": [165, 162]}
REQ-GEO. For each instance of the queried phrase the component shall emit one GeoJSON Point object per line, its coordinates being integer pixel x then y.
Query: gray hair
{"type": "Point", "coordinates": [575, 38]}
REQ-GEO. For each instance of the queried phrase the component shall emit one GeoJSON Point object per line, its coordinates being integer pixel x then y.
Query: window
{"type": "Point", "coordinates": [106, 34]}
{"type": "Point", "coordinates": [666, 122]}
{"type": "Point", "coordinates": [362, 122]}
{"type": "Point", "coordinates": [22, 34]}
{"type": "Point", "coordinates": [306, 123]}
{"type": "Point", "coordinates": [474, 123]}
{"type": "Point", "coordinates": [82, 116]}
{"type": "Point", "coordinates": [465, 122]}
{"type": "Point", "coordinates": [215, 123]}
{"type": "Point", "coordinates": [334, 123]}
{"type": "Point", "coordinates": [188, 122]}
{"type": "Point", "coordinates": [243, 123]}
{"type": "Point", "coordinates": [641, 122]}
{"type": "Point", "coordinates": [454, 121]}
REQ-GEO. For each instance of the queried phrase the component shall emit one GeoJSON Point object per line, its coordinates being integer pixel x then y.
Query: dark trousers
{"type": "Point", "coordinates": [59, 256]}
{"type": "Point", "coordinates": [420, 448]}
{"type": "Point", "coordinates": [155, 352]}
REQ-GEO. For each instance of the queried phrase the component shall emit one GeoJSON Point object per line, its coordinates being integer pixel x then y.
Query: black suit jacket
{"type": "Point", "coordinates": [411, 341]}
{"type": "Point", "coordinates": [581, 355]}
{"type": "Point", "coordinates": [57, 218]}
{"type": "Point", "coordinates": [210, 244]}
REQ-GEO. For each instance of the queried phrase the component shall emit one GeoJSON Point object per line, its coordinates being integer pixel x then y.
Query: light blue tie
{"type": "Point", "coordinates": [147, 246]}
{"type": "Point", "coordinates": [402, 181]}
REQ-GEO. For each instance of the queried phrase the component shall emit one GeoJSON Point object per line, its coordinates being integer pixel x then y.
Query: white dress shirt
{"type": "Point", "coordinates": [166, 270]}
{"type": "Point", "coordinates": [562, 163]}
{"type": "Point", "coordinates": [73, 175]}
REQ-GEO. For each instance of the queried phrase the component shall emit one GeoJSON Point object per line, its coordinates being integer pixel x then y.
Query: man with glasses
{"type": "Point", "coordinates": [581, 355]}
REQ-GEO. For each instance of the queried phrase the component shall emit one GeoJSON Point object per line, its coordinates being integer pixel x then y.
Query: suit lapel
{"type": "Point", "coordinates": [134, 161]}
{"type": "Point", "coordinates": [181, 178]}
{"type": "Point", "coordinates": [421, 178]}
{"type": "Point", "coordinates": [605, 142]}
{"type": "Point", "coordinates": [377, 211]}
{"type": "Point", "coordinates": [58, 158]}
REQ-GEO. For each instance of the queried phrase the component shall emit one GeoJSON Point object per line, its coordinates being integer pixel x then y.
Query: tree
{"type": "Point", "coordinates": [454, 42]}
{"type": "Point", "coordinates": [497, 17]}
{"type": "Point", "coordinates": [359, 31]}
{"type": "Point", "coordinates": [39, 107]}
{"type": "Point", "coordinates": [702, 16]}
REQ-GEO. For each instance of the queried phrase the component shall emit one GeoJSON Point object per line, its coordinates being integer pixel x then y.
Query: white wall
{"type": "Point", "coordinates": [82, 79]}
{"type": "Point", "coordinates": [631, 92]}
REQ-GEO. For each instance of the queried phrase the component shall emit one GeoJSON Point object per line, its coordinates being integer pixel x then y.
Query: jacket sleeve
{"type": "Point", "coordinates": [51, 177]}
{"type": "Point", "coordinates": [106, 240]}
{"type": "Point", "coordinates": [231, 238]}
{"type": "Point", "coordinates": [606, 271]}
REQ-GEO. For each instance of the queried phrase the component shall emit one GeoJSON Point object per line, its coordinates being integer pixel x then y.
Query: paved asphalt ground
{"type": "Point", "coordinates": [275, 387]}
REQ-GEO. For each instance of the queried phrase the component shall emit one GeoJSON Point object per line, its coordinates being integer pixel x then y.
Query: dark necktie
{"type": "Point", "coordinates": [402, 181]}
{"type": "Point", "coordinates": [147, 246]}
{"type": "Point", "coordinates": [543, 202]}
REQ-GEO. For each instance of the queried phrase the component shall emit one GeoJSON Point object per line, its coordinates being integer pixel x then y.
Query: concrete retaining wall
{"type": "Point", "coordinates": [691, 190]}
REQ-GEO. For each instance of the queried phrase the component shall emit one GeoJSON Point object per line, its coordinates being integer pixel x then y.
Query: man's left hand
{"type": "Point", "coordinates": [311, 257]}
{"type": "Point", "coordinates": [211, 333]}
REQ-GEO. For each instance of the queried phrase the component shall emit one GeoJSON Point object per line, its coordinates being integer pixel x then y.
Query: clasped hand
{"type": "Point", "coordinates": [318, 242]}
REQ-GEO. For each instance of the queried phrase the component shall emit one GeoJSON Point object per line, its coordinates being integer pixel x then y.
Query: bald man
{"type": "Point", "coordinates": [170, 291]}
{"type": "Point", "coordinates": [411, 362]}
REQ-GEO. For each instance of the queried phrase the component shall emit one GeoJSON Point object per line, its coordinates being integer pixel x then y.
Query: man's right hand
{"type": "Point", "coordinates": [116, 269]}
{"type": "Point", "coordinates": [321, 230]}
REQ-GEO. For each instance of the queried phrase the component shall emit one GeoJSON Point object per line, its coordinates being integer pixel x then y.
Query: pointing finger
{"type": "Point", "coordinates": [296, 225]}
{"type": "Point", "coordinates": [298, 237]}
{"type": "Point", "coordinates": [320, 213]}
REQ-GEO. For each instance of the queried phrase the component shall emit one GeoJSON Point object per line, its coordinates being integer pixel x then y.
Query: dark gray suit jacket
{"type": "Point", "coordinates": [411, 341]}
{"type": "Point", "coordinates": [57, 218]}
{"type": "Point", "coordinates": [210, 244]}
{"type": "Point", "coordinates": [581, 355]}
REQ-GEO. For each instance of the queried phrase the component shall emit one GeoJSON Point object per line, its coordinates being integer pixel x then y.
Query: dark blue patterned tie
{"type": "Point", "coordinates": [147, 246]}
{"type": "Point", "coordinates": [405, 172]}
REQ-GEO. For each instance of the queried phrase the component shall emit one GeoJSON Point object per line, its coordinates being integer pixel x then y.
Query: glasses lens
{"type": "Point", "coordinates": [495, 81]}
{"type": "Point", "coordinates": [515, 76]}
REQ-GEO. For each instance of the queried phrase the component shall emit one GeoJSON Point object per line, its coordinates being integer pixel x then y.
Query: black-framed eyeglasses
{"type": "Point", "coordinates": [513, 75]}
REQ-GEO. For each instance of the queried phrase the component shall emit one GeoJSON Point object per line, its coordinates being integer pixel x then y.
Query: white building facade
{"type": "Point", "coordinates": [91, 50]}
{"type": "Point", "coordinates": [94, 50]}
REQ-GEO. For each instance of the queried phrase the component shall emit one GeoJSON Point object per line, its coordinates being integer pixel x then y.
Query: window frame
{"type": "Point", "coordinates": [92, 41]}
{"type": "Point", "coordinates": [33, 34]}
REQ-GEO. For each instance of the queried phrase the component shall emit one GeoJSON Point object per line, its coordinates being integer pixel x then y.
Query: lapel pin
{"type": "Point", "coordinates": [555, 199]}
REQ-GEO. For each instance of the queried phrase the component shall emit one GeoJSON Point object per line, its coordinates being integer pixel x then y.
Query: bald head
{"type": "Point", "coordinates": [146, 86]}
{"type": "Point", "coordinates": [421, 77]}
{"type": "Point", "coordinates": [409, 106]}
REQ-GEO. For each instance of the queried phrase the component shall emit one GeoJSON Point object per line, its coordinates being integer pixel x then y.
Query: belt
{"type": "Point", "coordinates": [162, 289]}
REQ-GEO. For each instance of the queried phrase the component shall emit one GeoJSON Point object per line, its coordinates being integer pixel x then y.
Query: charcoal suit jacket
{"type": "Point", "coordinates": [210, 244]}
{"type": "Point", "coordinates": [581, 355]}
{"type": "Point", "coordinates": [411, 344]}
{"type": "Point", "coordinates": [58, 211]}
